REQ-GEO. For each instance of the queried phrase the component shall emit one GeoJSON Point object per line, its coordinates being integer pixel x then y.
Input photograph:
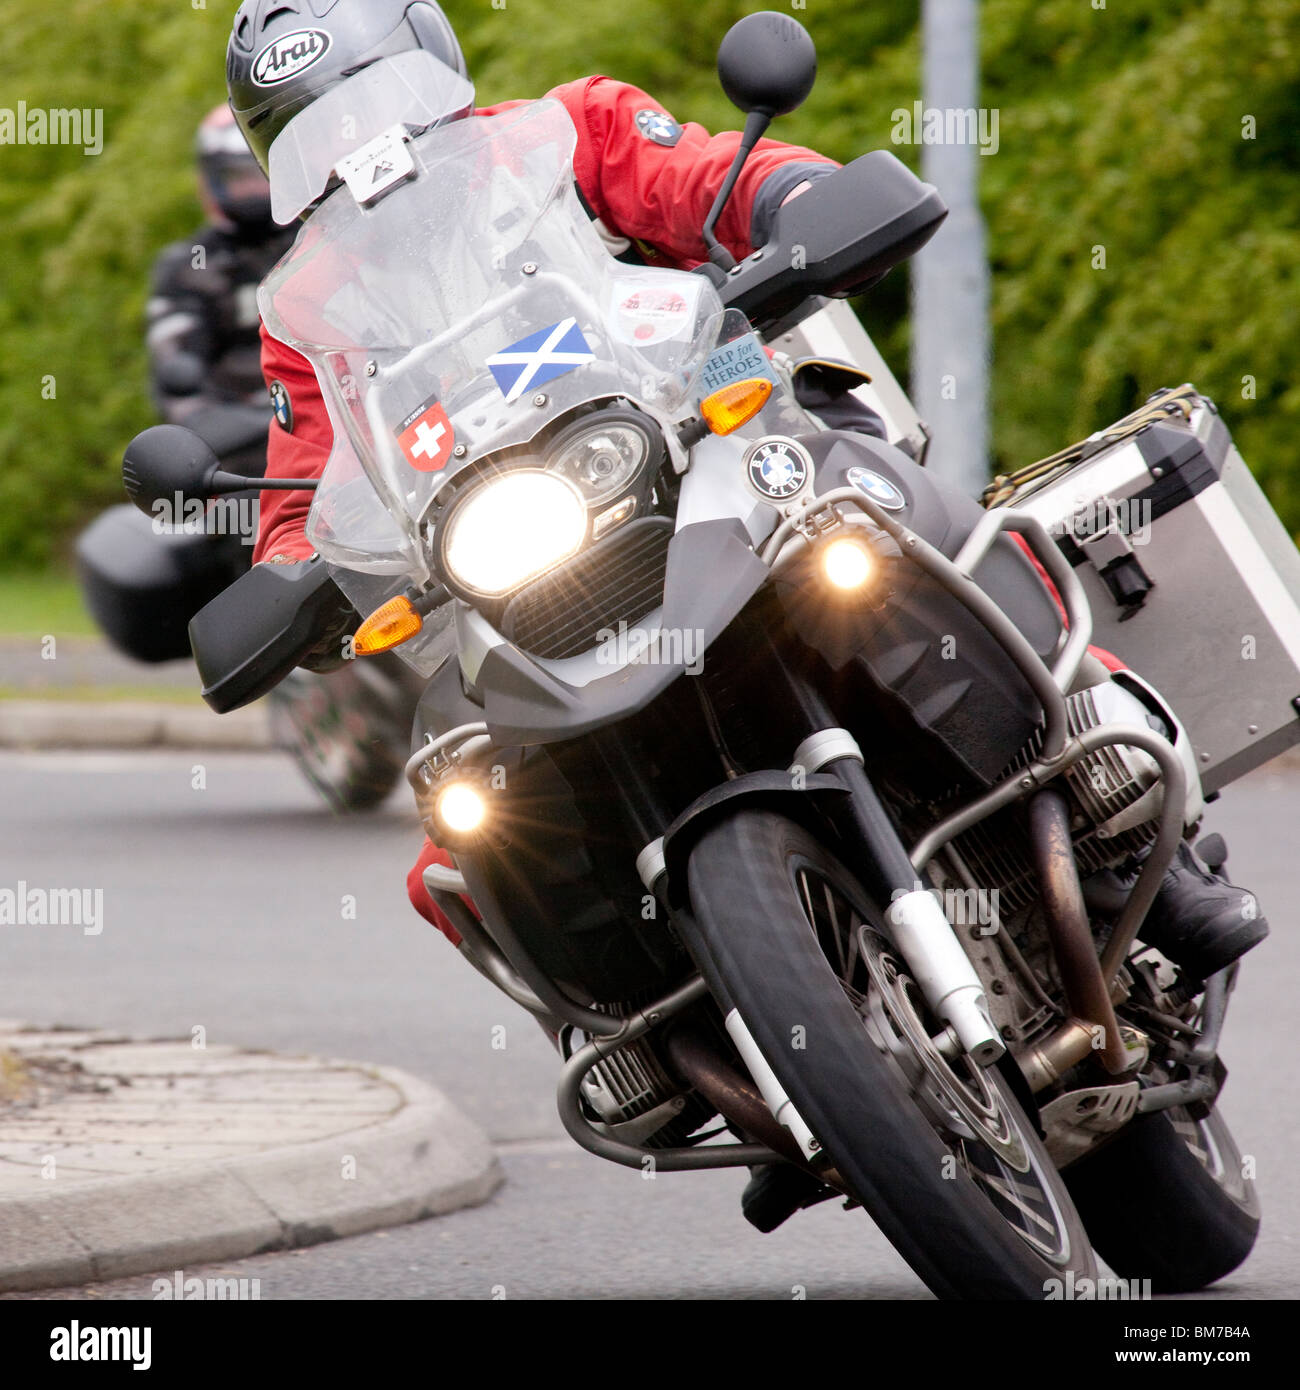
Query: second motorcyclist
{"type": "Point", "coordinates": [202, 333]}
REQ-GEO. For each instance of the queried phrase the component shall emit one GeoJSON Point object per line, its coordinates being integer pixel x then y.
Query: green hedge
{"type": "Point", "coordinates": [1123, 129]}
{"type": "Point", "coordinates": [1120, 127]}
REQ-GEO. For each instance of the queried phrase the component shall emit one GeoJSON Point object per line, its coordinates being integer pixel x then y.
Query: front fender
{"type": "Point", "coordinates": [808, 802]}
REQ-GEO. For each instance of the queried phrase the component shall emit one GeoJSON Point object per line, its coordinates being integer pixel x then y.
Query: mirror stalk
{"type": "Point", "coordinates": [756, 122]}
{"type": "Point", "coordinates": [223, 482]}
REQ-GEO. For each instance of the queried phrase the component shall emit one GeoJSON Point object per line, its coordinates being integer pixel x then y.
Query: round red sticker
{"type": "Point", "coordinates": [650, 316]}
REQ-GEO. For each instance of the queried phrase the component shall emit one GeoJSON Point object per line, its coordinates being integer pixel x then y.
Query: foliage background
{"type": "Point", "coordinates": [1121, 126]}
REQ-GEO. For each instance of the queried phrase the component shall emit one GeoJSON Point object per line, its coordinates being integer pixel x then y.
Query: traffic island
{"type": "Point", "coordinates": [123, 1156]}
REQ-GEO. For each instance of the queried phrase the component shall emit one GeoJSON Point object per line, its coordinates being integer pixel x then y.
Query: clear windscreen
{"type": "Point", "coordinates": [466, 310]}
{"type": "Point", "coordinates": [472, 305]}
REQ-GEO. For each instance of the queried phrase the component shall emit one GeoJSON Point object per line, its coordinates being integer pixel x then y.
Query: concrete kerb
{"type": "Point", "coordinates": [424, 1160]}
{"type": "Point", "coordinates": [113, 724]}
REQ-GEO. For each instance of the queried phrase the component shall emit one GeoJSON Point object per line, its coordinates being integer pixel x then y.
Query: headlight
{"type": "Point", "coordinates": [601, 455]}
{"type": "Point", "coordinates": [511, 529]}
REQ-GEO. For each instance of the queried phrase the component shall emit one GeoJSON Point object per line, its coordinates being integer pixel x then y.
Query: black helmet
{"type": "Point", "coordinates": [284, 54]}
{"type": "Point", "coordinates": [232, 187]}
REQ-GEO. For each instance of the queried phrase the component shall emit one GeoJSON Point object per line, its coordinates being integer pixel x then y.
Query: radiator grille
{"type": "Point", "coordinates": [620, 579]}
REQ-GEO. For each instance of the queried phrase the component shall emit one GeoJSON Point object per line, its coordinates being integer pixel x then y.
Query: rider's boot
{"type": "Point", "coordinates": [1199, 920]}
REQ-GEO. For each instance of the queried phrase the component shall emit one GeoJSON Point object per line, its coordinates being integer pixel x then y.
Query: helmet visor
{"type": "Point", "coordinates": [413, 88]}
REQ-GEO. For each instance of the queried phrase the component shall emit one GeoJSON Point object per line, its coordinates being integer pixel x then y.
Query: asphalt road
{"type": "Point", "coordinates": [228, 897]}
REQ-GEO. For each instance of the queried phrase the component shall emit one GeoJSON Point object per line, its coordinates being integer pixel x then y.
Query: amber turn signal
{"type": "Point", "coordinates": [387, 627]}
{"type": "Point", "coordinates": [735, 405]}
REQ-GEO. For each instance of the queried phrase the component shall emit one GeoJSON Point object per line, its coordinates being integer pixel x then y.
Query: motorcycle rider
{"type": "Point", "coordinates": [143, 581]}
{"type": "Point", "coordinates": [648, 183]}
{"type": "Point", "coordinates": [202, 335]}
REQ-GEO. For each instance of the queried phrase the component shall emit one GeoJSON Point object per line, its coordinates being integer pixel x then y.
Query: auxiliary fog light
{"type": "Point", "coordinates": [848, 564]}
{"type": "Point", "coordinates": [461, 807]}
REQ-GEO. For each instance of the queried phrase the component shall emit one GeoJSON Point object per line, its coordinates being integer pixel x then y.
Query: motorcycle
{"type": "Point", "coordinates": [143, 578]}
{"type": "Point", "coordinates": [766, 759]}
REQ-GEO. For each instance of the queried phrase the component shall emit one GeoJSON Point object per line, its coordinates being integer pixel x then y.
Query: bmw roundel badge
{"type": "Point", "coordinates": [880, 490]}
{"type": "Point", "coordinates": [778, 468]}
{"type": "Point", "coordinates": [659, 127]}
{"type": "Point", "coordinates": [282, 406]}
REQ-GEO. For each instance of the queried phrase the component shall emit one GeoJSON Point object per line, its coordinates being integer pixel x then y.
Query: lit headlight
{"type": "Point", "coordinates": [511, 529]}
{"type": "Point", "coordinates": [461, 808]}
{"type": "Point", "coordinates": [848, 564]}
{"type": "Point", "coordinates": [601, 456]}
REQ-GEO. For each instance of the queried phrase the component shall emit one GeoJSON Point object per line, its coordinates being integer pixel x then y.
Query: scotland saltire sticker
{"type": "Point", "coordinates": [539, 358]}
{"type": "Point", "coordinates": [879, 489]}
{"type": "Point", "coordinates": [426, 437]}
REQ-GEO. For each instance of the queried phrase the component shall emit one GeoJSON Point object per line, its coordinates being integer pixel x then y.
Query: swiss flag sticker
{"type": "Point", "coordinates": [426, 437]}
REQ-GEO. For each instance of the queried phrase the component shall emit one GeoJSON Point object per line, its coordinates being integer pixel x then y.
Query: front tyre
{"type": "Point", "coordinates": [939, 1154]}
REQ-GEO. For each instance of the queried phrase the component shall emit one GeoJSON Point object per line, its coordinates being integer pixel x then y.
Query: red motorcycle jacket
{"type": "Point", "coordinates": [648, 181]}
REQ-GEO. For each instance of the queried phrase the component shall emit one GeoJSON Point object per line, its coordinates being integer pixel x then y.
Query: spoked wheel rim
{"type": "Point", "coordinates": [966, 1105]}
{"type": "Point", "coordinates": [1212, 1145]}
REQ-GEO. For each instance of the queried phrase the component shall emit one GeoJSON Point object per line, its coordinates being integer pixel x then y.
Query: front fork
{"type": "Point", "coordinates": [920, 930]}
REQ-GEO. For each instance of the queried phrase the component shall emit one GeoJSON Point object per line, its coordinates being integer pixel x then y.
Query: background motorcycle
{"type": "Point", "coordinates": [714, 890]}
{"type": "Point", "coordinates": [142, 581]}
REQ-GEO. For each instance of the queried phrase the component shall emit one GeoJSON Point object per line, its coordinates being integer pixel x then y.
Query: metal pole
{"type": "Point", "coordinates": [950, 297]}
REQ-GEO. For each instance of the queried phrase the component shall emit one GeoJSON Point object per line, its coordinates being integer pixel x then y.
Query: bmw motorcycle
{"type": "Point", "coordinates": [766, 759]}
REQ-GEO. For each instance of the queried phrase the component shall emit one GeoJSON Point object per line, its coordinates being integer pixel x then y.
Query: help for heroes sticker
{"type": "Point", "coordinates": [734, 361]}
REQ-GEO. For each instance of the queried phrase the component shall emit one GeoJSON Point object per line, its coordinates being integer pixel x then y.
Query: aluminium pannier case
{"type": "Point", "coordinates": [1193, 580]}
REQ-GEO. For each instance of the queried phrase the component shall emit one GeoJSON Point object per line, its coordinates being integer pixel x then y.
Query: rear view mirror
{"type": "Point", "coordinates": [165, 461]}
{"type": "Point", "coordinates": [767, 63]}
{"type": "Point", "coordinates": [169, 462]}
{"type": "Point", "coordinates": [767, 66]}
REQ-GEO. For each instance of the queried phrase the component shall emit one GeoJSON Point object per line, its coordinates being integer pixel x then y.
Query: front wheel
{"type": "Point", "coordinates": [940, 1154]}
